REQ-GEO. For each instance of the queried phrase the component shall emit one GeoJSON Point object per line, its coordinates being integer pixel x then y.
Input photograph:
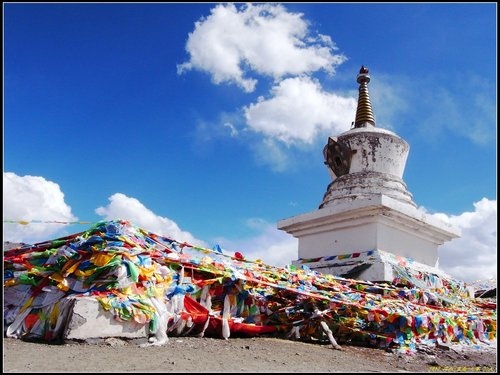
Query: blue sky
{"type": "Point", "coordinates": [206, 122]}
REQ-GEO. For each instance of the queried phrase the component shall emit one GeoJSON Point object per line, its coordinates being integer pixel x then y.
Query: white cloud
{"type": "Point", "coordinates": [130, 209]}
{"type": "Point", "coordinates": [33, 198]}
{"type": "Point", "coordinates": [473, 256]}
{"type": "Point", "coordinates": [298, 111]}
{"type": "Point", "coordinates": [262, 38]}
{"type": "Point", "coordinates": [239, 43]}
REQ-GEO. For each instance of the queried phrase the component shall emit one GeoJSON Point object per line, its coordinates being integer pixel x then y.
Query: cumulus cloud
{"type": "Point", "coordinates": [261, 38]}
{"type": "Point", "coordinates": [473, 256]}
{"type": "Point", "coordinates": [33, 198]}
{"type": "Point", "coordinates": [240, 43]}
{"type": "Point", "coordinates": [122, 207]}
{"type": "Point", "coordinates": [298, 110]}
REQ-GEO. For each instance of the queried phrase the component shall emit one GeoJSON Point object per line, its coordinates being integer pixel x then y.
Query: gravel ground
{"type": "Point", "coordinates": [243, 355]}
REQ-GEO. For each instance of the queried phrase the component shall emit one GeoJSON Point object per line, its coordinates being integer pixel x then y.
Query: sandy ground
{"type": "Point", "coordinates": [243, 355]}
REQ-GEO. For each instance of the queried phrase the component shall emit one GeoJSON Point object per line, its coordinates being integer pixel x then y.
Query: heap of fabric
{"type": "Point", "coordinates": [179, 289]}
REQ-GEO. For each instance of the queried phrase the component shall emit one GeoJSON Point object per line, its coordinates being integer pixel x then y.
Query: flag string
{"type": "Point", "coordinates": [27, 222]}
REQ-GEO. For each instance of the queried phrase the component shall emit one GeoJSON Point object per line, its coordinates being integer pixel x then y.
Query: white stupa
{"type": "Point", "coordinates": [367, 222]}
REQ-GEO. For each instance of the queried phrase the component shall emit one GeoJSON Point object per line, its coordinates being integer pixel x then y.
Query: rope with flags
{"type": "Point", "coordinates": [27, 222]}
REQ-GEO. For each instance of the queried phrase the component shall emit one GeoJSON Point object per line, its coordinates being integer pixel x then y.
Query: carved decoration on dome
{"type": "Point", "coordinates": [337, 156]}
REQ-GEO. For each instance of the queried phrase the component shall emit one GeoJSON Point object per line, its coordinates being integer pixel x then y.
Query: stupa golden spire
{"type": "Point", "coordinates": [364, 113]}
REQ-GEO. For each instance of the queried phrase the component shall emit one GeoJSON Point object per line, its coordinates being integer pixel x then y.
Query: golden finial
{"type": "Point", "coordinates": [364, 113]}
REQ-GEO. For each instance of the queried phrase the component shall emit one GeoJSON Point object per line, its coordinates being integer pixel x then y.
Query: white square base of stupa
{"type": "Point", "coordinates": [375, 222]}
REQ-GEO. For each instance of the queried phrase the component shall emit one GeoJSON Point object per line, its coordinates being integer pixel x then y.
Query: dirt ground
{"type": "Point", "coordinates": [238, 355]}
